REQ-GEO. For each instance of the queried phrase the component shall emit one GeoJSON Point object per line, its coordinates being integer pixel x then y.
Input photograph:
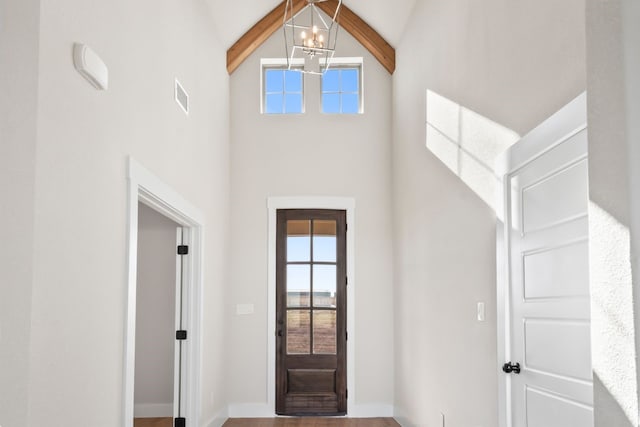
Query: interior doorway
{"type": "Point", "coordinates": [179, 219]}
{"type": "Point", "coordinates": [158, 311]}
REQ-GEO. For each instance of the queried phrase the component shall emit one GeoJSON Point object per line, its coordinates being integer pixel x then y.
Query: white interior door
{"type": "Point", "coordinates": [548, 310]}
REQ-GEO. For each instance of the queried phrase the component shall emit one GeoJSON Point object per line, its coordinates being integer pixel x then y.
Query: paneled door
{"type": "Point", "coordinates": [549, 370]}
{"type": "Point", "coordinates": [311, 280]}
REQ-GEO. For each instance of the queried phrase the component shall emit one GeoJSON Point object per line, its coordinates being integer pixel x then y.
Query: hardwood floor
{"type": "Point", "coordinates": [153, 422]}
{"type": "Point", "coordinates": [311, 422]}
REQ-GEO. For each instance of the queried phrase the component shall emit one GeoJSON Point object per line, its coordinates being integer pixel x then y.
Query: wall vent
{"type": "Point", "coordinates": [182, 97]}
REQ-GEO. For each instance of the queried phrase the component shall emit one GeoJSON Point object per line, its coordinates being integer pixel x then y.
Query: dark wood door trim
{"type": "Point", "coordinates": [300, 378]}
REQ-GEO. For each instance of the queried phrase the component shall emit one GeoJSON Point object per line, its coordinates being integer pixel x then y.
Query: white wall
{"type": "Point", "coordinates": [613, 82]}
{"type": "Point", "coordinates": [311, 155]}
{"type": "Point", "coordinates": [84, 139]}
{"type": "Point", "coordinates": [19, 35]}
{"type": "Point", "coordinates": [513, 63]}
{"type": "Point", "coordinates": [155, 313]}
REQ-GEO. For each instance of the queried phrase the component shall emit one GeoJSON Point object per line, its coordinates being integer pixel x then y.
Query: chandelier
{"type": "Point", "coordinates": [309, 37]}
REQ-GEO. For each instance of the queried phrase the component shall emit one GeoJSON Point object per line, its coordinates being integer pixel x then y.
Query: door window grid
{"type": "Point", "coordinates": [311, 331]}
{"type": "Point", "coordinates": [283, 91]}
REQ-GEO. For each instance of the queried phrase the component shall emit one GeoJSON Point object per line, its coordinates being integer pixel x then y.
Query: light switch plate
{"type": "Point", "coordinates": [243, 309]}
{"type": "Point", "coordinates": [481, 315]}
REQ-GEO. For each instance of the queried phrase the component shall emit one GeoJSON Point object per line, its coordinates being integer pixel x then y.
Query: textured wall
{"type": "Point", "coordinates": [19, 37]}
{"type": "Point", "coordinates": [513, 63]}
{"type": "Point", "coordinates": [613, 104]}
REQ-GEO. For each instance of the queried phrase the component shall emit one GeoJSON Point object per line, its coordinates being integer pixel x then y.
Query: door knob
{"type": "Point", "coordinates": [511, 368]}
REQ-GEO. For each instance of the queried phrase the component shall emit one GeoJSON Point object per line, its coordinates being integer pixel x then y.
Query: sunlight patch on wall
{"type": "Point", "coordinates": [467, 143]}
{"type": "Point", "coordinates": [612, 319]}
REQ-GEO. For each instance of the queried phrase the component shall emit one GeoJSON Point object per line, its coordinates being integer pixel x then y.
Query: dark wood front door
{"type": "Point", "coordinates": [311, 277]}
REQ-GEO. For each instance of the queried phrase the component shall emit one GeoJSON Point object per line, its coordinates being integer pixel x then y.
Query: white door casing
{"type": "Point", "coordinates": [144, 187]}
{"type": "Point", "coordinates": [543, 293]}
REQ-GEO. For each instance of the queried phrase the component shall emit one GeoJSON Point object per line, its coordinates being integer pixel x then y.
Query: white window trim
{"type": "Point", "coordinates": [348, 62]}
{"type": "Point", "coordinates": [278, 63]}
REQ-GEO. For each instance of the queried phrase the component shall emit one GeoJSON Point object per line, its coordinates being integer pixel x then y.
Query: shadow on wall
{"type": "Point", "coordinates": [467, 143]}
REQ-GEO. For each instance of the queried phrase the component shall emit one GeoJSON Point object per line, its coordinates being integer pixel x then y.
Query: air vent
{"type": "Point", "coordinates": [182, 98]}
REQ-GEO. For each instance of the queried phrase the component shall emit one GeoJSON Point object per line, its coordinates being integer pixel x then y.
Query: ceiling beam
{"type": "Point", "coordinates": [348, 20]}
{"type": "Point", "coordinates": [361, 31]}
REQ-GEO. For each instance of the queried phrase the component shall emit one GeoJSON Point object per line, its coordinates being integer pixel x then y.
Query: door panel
{"type": "Point", "coordinates": [549, 285]}
{"type": "Point", "coordinates": [311, 312]}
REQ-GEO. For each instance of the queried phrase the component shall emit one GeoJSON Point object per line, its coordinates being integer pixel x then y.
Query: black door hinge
{"type": "Point", "coordinates": [183, 250]}
{"type": "Point", "coordinates": [346, 393]}
{"type": "Point", "coordinates": [346, 336]}
{"type": "Point", "coordinates": [346, 281]}
{"type": "Point", "coordinates": [181, 335]}
{"type": "Point", "coordinates": [180, 422]}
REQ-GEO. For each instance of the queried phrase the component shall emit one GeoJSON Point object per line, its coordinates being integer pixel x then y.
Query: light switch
{"type": "Point", "coordinates": [243, 309]}
{"type": "Point", "coordinates": [481, 312]}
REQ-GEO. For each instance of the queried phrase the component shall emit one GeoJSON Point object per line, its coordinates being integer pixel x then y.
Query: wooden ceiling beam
{"type": "Point", "coordinates": [361, 31]}
{"type": "Point", "coordinates": [348, 20]}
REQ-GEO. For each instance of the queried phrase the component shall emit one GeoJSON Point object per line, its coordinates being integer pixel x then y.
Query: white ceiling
{"type": "Point", "coordinates": [233, 18]}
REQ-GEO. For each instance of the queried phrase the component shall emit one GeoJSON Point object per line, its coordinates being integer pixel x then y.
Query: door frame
{"type": "Point", "coordinates": [146, 188]}
{"type": "Point", "coordinates": [561, 126]}
{"type": "Point", "coordinates": [337, 203]}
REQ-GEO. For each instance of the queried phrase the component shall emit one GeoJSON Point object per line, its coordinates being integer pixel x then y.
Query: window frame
{"type": "Point", "coordinates": [345, 64]}
{"type": "Point", "coordinates": [267, 64]}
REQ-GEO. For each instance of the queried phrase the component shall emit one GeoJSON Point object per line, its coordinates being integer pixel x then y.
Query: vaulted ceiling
{"type": "Point", "coordinates": [233, 18]}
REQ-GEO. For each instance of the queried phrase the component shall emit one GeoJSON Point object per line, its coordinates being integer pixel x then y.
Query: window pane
{"type": "Point", "coordinates": [293, 81]}
{"type": "Point", "coordinates": [324, 285]}
{"type": "Point", "coordinates": [298, 241]}
{"type": "Point", "coordinates": [274, 103]}
{"type": "Point", "coordinates": [293, 103]}
{"type": "Point", "coordinates": [298, 285]}
{"type": "Point", "coordinates": [350, 103]}
{"type": "Point", "coordinates": [274, 80]}
{"type": "Point", "coordinates": [349, 80]}
{"type": "Point", "coordinates": [324, 241]}
{"type": "Point", "coordinates": [298, 332]}
{"type": "Point", "coordinates": [331, 103]}
{"type": "Point", "coordinates": [324, 332]}
{"type": "Point", "coordinates": [331, 81]}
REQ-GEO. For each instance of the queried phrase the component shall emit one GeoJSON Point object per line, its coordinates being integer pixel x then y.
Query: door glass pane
{"type": "Point", "coordinates": [324, 285]}
{"type": "Point", "coordinates": [324, 241]}
{"type": "Point", "coordinates": [298, 331]}
{"type": "Point", "coordinates": [298, 285]}
{"type": "Point", "coordinates": [324, 332]}
{"type": "Point", "coordinates": [298, 241]}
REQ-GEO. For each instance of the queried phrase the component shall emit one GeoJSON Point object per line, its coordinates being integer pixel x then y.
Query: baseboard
{"type": "Point", "coordinates": [262, 410]}
{"type": "Point", "coordinates": [401, 418]}
{"type": "Point", "coordinates": [153, 410]}
{"type": "Point", "coordinates": [218, 419]}
{"type": "Point", "coordinates": [251, 410]}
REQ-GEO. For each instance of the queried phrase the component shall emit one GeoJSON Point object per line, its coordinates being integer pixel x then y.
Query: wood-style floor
{"type": "Point", "coordinates": [282, 422]}
{"type": "Point", "coordinates": [153, 422]}
{"type": "Point", "coordinates": [311, 422]}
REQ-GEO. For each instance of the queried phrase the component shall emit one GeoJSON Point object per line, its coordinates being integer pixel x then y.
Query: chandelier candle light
{"type": "Point", "coordinates": [309, 38]}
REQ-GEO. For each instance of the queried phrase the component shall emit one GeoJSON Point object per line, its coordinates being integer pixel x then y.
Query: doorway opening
{"type": "Point", "coordinates": [159, 312]}
{"type": "Point", "coordinates": [162, 332]}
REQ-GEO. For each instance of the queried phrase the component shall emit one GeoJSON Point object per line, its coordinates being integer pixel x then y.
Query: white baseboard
{"type": "Point", "coordinates": [263, 410]}
{"type": "Point", "coordinates": [401, 418]}
{"type": "Point", "coordinates": [218, 419]}
{"type": "Point", "coordinates": [370, 410]}
{"type": "Point", "coordinates": [153, 410]}
{"type": "Point", "coordinates": [251, 410]}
